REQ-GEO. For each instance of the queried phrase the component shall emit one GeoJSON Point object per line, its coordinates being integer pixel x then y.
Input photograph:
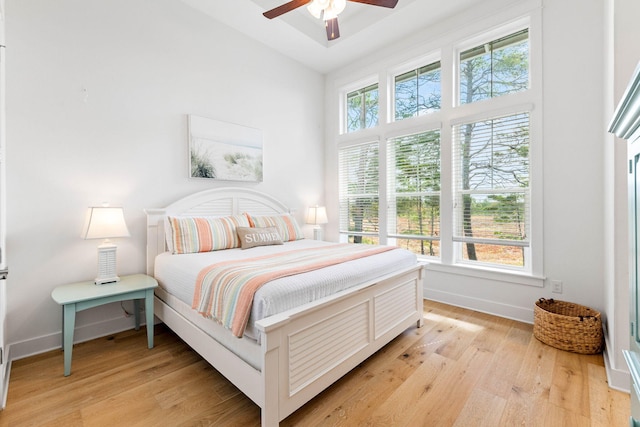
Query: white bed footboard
{"type": "Point", "coordinates": [309, 348]}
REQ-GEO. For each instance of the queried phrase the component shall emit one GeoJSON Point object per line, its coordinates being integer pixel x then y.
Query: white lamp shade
{"type": "Point", "coordinates": [104, 223]}
{"type": "Point", "coordinates": [317, 215]}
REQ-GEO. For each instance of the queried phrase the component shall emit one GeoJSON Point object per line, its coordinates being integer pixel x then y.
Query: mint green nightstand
{"type": "Point", "coordinates": [81, 296]}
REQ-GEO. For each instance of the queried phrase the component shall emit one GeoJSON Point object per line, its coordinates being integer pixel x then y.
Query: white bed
{"type": "Point", "coordinates": [299, 352]}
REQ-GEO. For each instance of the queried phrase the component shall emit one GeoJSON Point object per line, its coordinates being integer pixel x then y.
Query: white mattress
{"type": "Point", "coordinates": [177, 274]}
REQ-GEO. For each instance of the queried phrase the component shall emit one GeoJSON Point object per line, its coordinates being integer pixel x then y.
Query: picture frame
{"type": "Point", "coordinates": [224, 151]}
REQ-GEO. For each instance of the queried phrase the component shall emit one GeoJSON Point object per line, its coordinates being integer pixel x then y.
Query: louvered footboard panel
{"type": "Point", "coordinates": [393, 306]}
{"type": "Point", "coordinates": [319, 348]}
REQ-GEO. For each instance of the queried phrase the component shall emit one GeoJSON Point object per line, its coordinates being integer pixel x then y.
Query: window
{"type": "Point", "coordinates": [362, 108]}
{"type": "Point", "coordinates": [359, 197]}
{"type": "Point", "coordinates": [492, 190]}
{"type": "Point", "coordinates": [414, 192]}
{"type": "Point", "coordinates": [454, 183]}
{"type": "Point", "coordinates": [496, 68]}
{"type": "Point", "coordinates": [418, 91]}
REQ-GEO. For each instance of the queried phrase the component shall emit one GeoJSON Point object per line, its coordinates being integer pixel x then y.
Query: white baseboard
{"type": "Point", "coordinates": [7, 373]}
{"type": "Point", "coordinates": [618, 379]}
{"type": "Point", "coordinates": [83, 333]}
{"type": "Point", "coordinates": [513, 312]}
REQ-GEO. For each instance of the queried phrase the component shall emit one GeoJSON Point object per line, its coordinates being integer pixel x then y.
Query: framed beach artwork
{"type": "Point", "coordinates": [224, 151]}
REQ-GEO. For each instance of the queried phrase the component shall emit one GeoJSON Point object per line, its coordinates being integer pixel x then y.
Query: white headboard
{"type": "Point", "coordinates": [215, 202]}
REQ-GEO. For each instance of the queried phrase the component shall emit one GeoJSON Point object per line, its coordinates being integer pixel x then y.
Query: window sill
{"type": "Point", "coordinates": [512, 277]}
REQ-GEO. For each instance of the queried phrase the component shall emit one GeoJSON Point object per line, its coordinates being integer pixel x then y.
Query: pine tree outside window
{"type": "Point", "coordinates": [418, 91]}
{"type": "Point", "coordinates": [496, 68]}
{"type": "Point", "coordinates": [492, 169]}
{"type": "Point", "coordinates": [362, 108]}
{"type": "Point", "coordinates": [491, 176]}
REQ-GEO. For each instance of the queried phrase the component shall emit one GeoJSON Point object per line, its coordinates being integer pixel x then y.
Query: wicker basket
{"type": "Point", "coordinates": [568, 326]}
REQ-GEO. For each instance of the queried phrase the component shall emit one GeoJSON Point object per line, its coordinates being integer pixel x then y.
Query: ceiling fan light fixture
{"type": "Point", "coordinates": [326, 9]}
{"type": "Point", "coordinates": [315, 9]}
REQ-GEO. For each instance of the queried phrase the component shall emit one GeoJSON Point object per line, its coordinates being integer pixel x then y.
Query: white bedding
{"type": "Point", "coordinates": [177, 275]}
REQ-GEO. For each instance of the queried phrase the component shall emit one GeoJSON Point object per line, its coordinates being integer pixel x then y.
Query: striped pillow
{"type": "Point", "coordinates": [205, 234]}
{"type": "Point", "coordinates": [285, 223]}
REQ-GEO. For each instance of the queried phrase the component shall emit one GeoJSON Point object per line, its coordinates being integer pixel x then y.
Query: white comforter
{"type": "Point", "coordinates": [177, 275]}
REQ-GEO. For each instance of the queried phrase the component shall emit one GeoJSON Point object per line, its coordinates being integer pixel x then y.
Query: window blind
{"type": "Point", "coordinates": [413, 184]}
{"type": "Point", "coordinates": [358, 188]}
{"type": "Point", "coordinates": [491, 181]}
{"type": "Point", "coordinates": [501, 43]}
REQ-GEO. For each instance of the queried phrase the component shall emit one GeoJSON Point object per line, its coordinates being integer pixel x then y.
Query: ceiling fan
{"type": "Point", "coordinates": [328, 10]}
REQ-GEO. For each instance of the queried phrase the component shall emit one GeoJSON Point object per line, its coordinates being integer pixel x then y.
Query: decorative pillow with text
{"type": "Point", "coordinates": [251, 237]}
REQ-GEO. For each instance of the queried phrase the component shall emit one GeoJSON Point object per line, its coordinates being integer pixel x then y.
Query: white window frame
{"type": "Point", "coordinates": [405, 68]}
{"type": "Point", "coordinates": [459, 241]}
{"type": "Point", "coordinates": [486, 37]}
{"type": "Point", "coordinates": [447, 52]}
{"type": "Point", "coordinates": [342, 108]}
{"type": "Point", "coordinates": [526, 100]}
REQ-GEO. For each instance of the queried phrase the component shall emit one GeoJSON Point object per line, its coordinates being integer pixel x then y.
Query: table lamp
{"type": "Point", "coordinates": [317, 215]}
{"type": "Point", "coordinates": [105, 222]}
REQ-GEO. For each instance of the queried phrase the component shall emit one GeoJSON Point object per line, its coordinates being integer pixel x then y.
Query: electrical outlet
{"type": "Point", "coordinates": [556, 286]}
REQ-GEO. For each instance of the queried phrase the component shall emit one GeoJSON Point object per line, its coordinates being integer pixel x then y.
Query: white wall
{"type": "Point", "coordinates": [572, 144]}
{"type": "Point", "coordinates": [97, 97]}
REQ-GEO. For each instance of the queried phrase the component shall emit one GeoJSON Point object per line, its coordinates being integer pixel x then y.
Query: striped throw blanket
{"type": "Point", "coordinates": [224, 291]}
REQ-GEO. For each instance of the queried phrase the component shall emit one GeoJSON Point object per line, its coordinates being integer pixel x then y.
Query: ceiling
{"type": "Point", "coordinates": [363, 28]}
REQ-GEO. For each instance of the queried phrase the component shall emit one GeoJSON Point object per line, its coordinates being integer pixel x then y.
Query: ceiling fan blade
{"type": "Point", "coordinates": [284, 8]}
{"type": "Point", "coordinates": [384, 3]}
{"type": "Point", "coordinates": [333, 32]}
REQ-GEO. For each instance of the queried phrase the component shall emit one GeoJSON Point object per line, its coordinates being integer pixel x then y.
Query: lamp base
{"type": "Point", "coordinates": [106, 280]}
{"type": "Point", "coordinates": [106, 264]}
{"type": "Point", "coordinates": [317, 233]}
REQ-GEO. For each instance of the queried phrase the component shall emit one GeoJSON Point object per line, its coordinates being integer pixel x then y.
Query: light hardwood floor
{"type": "Point", "coordinates": [463, 368]}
